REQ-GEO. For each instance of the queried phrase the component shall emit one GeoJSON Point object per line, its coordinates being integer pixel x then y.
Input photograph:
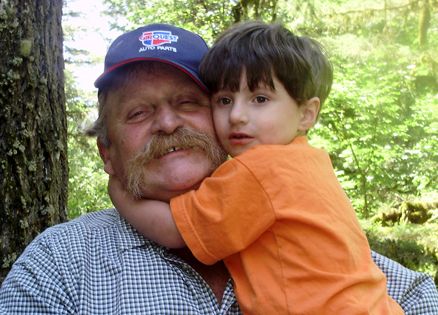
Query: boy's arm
{"type": "Point", "coordinates": [228, 212]}
{"type": "Point", "coordinates": [152, 218]}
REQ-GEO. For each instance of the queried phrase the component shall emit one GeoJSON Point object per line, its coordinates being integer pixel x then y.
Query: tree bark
{"type": "Point", "coordinates": [423, 23]}
{"type": "Point", "coordinates": [254, 9]}
{"type": "Point", "coordinates": [33, 146]}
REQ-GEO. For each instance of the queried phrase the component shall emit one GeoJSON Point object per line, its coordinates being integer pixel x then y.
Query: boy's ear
{"type": "Point", "coordinates": [104, 153]}
{"type": "Point", "coordinates": [309, 112]}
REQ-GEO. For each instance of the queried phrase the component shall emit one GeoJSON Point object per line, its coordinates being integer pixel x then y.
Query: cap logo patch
{"type": "Point", "coordinates": [157, 38]}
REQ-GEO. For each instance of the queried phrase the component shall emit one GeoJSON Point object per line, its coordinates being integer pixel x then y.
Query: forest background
{"type": "Point", "coordinates": [379, 124]}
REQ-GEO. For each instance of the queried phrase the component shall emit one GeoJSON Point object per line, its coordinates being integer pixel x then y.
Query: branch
{"type": "Point", "coordinates": [371, 10]}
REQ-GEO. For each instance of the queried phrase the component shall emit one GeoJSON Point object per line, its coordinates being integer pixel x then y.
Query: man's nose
{"type": "Point", "coordinates": [167, 120]}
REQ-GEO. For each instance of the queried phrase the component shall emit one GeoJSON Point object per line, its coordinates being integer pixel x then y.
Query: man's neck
{"type": "Point", "coordinates": [215, 275]}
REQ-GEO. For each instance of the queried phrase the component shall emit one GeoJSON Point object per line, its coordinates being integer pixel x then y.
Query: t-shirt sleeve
{"type": "Point", "coordinates": [228, 212]}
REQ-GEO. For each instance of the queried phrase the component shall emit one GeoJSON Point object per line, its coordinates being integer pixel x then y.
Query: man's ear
{"type": "Point", "coordinates": [105, 156]}
{"type": "Point", "coordinates": [309, 113]}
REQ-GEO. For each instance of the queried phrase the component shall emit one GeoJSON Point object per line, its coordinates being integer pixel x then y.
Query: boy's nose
{"type": "Point", "coordinates": [238, 114]}
{"type": "Point", "coordinates": [167, 120]}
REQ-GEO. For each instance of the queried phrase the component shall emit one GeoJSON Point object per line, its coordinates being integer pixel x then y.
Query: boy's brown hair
{"type": "Point", "coordinates": [267, 50]}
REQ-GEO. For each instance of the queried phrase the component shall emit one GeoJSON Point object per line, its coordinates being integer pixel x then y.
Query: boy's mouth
{"type": "Point", "coordinates": [238, 135]}
{"type": "Point", "coordinates": [239, 139]}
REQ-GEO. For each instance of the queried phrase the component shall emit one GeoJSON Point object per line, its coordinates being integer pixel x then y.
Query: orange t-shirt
{"type": "Point", "coordinates": [287, 233]}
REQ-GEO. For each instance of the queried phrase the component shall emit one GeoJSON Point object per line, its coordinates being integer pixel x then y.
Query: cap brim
{"type": "Point", "coordinates": [104, 76]}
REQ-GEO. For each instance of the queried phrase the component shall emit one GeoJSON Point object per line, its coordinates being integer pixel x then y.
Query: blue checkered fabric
{"type": "Point", "coordinates": [97, 264]}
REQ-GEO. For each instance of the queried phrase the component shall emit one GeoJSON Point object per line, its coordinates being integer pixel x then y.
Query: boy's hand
{"type": "Point", "coordinates": [151, 218]}
{"type": "Point", "coordinates": [134, 211]}
{"type": "Point", "coordinates": [116, 192]}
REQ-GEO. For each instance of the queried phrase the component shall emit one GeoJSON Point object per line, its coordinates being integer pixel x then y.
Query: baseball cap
{"type": "Point", "coordinates": [156, 42]}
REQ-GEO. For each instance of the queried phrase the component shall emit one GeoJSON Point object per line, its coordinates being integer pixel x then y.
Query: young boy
{"type": "Point", "coordinates": [275, 212]}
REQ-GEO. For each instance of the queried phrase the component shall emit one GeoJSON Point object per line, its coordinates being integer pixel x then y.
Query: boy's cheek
{"type": "Point", "coordinates": [216, 119]}
{"type": "Point", "coordinates": [220, 127]}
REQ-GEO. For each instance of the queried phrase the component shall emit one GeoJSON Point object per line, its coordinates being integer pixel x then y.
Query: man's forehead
{"type": "Point", "coordinates": [150, 71]}
{"type": "Point", "coordinates": [160, 81]}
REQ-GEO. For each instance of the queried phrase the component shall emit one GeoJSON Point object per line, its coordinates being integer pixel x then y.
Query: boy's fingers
{"type": "Point", "coordinates": [116, 189]}
{"type": "Point", "coordinates": [114, 183]}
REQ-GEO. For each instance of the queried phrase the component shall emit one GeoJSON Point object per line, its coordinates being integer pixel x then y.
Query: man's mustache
{"type": "Point", "coordinates": [161, 144]}
{"type": "Point", "coordinates": [182, 138]}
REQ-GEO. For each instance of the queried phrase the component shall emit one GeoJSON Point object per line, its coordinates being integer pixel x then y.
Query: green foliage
{"type": "Point", "coordinates": [207, 18]}
{"type": "Point", "coordinates": [414, 246]}
{"type": "Point", "coordinates": [380, 123]}
{"type": "Point", "coordinates": [87, 181]}
{"type": "Point", "coordinates": [381, 128]}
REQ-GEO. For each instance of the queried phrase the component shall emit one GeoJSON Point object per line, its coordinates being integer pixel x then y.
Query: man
{"type": "Point", "coordinates": [155, 134]}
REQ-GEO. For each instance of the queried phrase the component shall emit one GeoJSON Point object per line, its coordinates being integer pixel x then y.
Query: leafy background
{"type": "Point", "coordinates": [379, 124]}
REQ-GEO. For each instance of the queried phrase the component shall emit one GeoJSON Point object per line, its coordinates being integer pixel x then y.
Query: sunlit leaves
{"type": "Point", "coordinates": [380, 122]}
{"type": "Point", "coordinates": [87, 181]}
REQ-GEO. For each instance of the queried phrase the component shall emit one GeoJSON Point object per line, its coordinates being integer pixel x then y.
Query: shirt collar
{"type": "Point", "coordinates": [129, 237]}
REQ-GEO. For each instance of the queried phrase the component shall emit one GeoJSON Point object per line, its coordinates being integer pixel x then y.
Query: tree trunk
{"type": "Point", "coordinates": [254, 9]}
{"type": "Point", "coordinates": [33, 146]}
{"type": "Point", "coordinates": [423, 23]}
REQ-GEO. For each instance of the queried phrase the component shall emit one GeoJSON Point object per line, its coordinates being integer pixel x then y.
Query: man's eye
{"type": "Point", "coordinates": [261, 99]}
{"type": "Point", "coordinates": [189, 105]}
{"type": "Point", "coordinates": [135, 114]}
{"type": "Point", "coordinates": [138, 115]}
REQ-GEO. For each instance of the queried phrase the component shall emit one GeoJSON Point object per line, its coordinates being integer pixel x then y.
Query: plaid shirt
{"type": "Point", "coordinates": [97, 264]}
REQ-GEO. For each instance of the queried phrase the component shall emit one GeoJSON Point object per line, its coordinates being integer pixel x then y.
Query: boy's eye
{"type": "Point", "coordinates": [224, 101]}
{"type": "Point", "coordinates": [261, 99]}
